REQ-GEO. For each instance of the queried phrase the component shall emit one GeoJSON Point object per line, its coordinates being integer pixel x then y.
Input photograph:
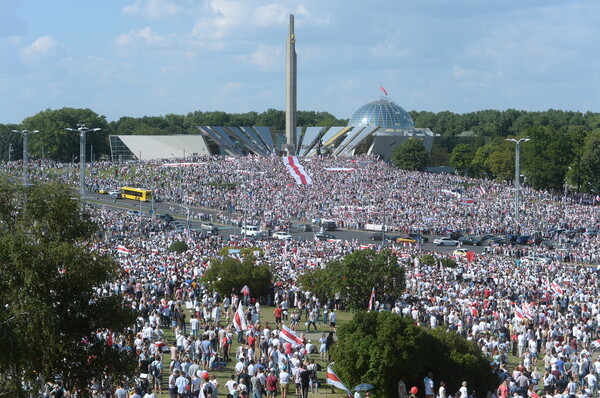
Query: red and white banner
{"type": "Point", "coordinates": [339, 169]}
{"type": "Point", "coordinates": [556, 288]}
{"type": "Point", "coordinates": [123, 249]}
{"type": "Point", "coordinates": [371, 299]}
{"type": "Point", "coordinates": [239, 320]}
{"type": "Point", "coordinates": [296, 170]}
{"type": "Point", "coordinates": [481, 190]}
{"type": "Point", "coordinates": [519, 313]}
{"type": "Point", "coordinates": [288, 335]}
{"type": "Point", "coordinates": [335, 381]}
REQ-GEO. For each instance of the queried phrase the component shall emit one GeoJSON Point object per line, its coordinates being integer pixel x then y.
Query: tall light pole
{"type": "Point", "coordinates": [517, 173]}
{"type": "Point", "coordinates": [25, 134]}
{"type": "Point", "coordinates": [82, 130]}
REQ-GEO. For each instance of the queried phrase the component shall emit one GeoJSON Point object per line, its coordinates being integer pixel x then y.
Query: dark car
{"type": "Point", "coordinates": [523, 240]}
{"type": "Point", "coordinates": [323, 236]}
{"type": "Point", "coordinates": [305, 228]}
{"type": "Point", "coordinates": [166, 217]}
{"type": "Point", "coordinates": [470, 240]}
{"type": "Point", "coordinates": [495, 240]}
{"type": "Point", "coordinates": [455, 235]}
{"type": "Point", "coordinates": [379, 236]}
{"type": "Point", "coordinates": [419, 237]}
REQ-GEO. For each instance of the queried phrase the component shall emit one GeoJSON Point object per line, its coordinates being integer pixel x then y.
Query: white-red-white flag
{"type": "Point", "coordinates": [123, 249]}
{"type": "Point", "coordinates": [519, 313]}
{"type": "Point", "coordinates": [290, 336]}
{"type": "Point", "coordinates": [557, 288]}
{"type": "Point", "coordinates": [372, 299]}
{"type": "Point", "coordinates": [481, 190]}
{"type": "Point", "coordinates": [335, 381]}
{"type": "Point", "coordinates": [296, 170]}
{"type": "Point", "coordinates": [239, 320]}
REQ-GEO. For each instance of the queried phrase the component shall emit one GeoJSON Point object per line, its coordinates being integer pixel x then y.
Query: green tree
{"type": "Point", "coordinates": [49, 278]}
{"type": "Point", "coordinates": [231, 274]}
{"type": "Point", "coordinates": [501, 161]}
{"type": "Point", "coordinates": [546, 157]}
{"type": "Point", "coordinates": [462, 157]}
{"type": "Point", "coordinates": [60, 144]}
{"type": "Point", "coordinates": [410, 155]}
{"type": "Point", "coordinates": [355, 275]}
{"type": "Point", "coordinates": [378, 347]}
{"type": "Point", "coordinates": [590, 164]}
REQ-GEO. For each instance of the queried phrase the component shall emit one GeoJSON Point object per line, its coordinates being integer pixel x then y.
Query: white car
{"type": "Point", "coordinates": [445, 242]}
{"type": "Point", "coordinates": [536, 259]}
{"type": "Point", "coordinates": [460, 252]}
{"type": "Point", "coordinates": [251, 230]}
{"type": "Point", "coordinates": [282, 235]}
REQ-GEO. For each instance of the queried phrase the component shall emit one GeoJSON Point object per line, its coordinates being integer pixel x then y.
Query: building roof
{"type": "Point", "coordinates": [147, 147]}
{"type": "Point", "coordinates": [384, 113]}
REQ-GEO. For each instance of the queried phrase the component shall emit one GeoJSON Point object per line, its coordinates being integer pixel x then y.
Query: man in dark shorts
{"type": "Point", "coordinates": [277, 313]}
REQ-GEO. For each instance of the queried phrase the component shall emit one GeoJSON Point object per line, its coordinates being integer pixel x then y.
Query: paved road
{"type": "Point", "coordinates": [179, 212]}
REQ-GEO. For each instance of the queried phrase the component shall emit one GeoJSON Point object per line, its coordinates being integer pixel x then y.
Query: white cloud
{"type": "Point", "coordinates": [225, 16]}
{"type": "Point", "coordinates": [156, 9]}
{"type": "Point", "coordinates": [267, 58]}
{"type": "Point", "coordinates": [40, 51]}
{"type": "Point", "coordinates": [272, 14]}
{"type": "Point", "coordinates": [144, 38]}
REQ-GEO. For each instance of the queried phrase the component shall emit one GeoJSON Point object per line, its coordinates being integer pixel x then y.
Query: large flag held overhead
{"type": "Point", "coordinates": [296, 170]}
{"type": "Point", "coordinates": [335, 381]}
{"type": "Point", "coordinates": [288, 335]}
{"type": "Point", "coordinates": [122, 249]}
{"type": "Point", "coordinates": [371, 299]}
{"type": "Point", "coordinates": [239, 320]}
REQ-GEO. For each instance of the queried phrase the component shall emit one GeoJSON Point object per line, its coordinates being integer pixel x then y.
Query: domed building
{"type": "Point", "coordinates": [375, 128]}
{"type": "Point", "coordinates": [383, 113]}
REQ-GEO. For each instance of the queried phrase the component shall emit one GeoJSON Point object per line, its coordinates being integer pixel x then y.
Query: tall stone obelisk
{"type": "Point", "coordinates": [290, 90]}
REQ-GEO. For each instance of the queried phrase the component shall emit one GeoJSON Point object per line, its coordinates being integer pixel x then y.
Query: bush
{"type": "Point", "coordinates": [178, 247]}
{"type": "Point", "coordinates": [379, 347]}
{"type": "Point", "coordinates": [448, 263]}
{"type": "Point", "coordinates": [428, 259]}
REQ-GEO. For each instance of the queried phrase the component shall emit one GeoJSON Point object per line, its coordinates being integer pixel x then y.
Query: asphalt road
{"type": "Point", "coordinates": [179, 212]}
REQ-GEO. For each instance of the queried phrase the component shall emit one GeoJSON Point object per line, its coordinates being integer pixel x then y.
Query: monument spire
{"type": "Point", "coordinates": [290, 90]}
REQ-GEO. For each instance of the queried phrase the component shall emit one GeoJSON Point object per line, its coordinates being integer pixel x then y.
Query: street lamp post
{"type": "Point", "coordinates": [517, 173]}
{"type": "Point", "coordinates": [25, 134]}
{"type": "Point", "coordinates": [82, 130]}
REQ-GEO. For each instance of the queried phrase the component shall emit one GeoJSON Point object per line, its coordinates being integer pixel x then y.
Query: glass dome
{"type": "Point", "coordinates": [384, 113]}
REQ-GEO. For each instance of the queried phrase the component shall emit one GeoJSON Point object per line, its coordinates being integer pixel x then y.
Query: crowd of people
{"type": "Point", "coordinates": [535, 311]}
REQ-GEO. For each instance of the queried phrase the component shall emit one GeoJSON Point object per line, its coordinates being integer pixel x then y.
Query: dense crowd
{"type": "Point", "coordinates": [534, 311]}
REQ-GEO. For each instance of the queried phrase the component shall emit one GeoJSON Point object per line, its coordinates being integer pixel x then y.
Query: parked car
{"type": "Point", "coordinates": [322, 235]}
{"type": "Point", "coordinates": [470, 240]}
{"type": "Point", "coordinates": [134, 212]}
{"type": "Point", "coordinates": [446, 241]}
{"type": "Point", "coordinates": [328, 225]}
{"type": "Point", "coordinates": [210, 228]}
{"type": "Point", "coordinates": [250, 230]}
{"type": "Point", "coordinates": [167, 217]}
{"type": "Point", "coordinates": [535, 258]}
{"type": "Point", "coordinates": [305, 228]}
{"type": "Point", "coordinates": [282, 235]}
{"type": "Point", "coordinates": [115, 194]}
{"type": "Point", "coordinates": [419, 237]}
{"type": "Point", "coordinates": [379, 236]}
{"type": "Point", "coordinates": [460, 252]}
{"type": "Point", "coordinates": [523, 240]}
{"type": "Point", "coordinates": [405, 239]}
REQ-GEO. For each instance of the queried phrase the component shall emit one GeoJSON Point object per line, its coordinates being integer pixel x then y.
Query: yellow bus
{"type": "Point", "coordinates": [143, 195]}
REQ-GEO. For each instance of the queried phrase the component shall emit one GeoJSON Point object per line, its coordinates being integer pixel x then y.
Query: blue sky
{"type": "Point", "coordinates": [154, 57]}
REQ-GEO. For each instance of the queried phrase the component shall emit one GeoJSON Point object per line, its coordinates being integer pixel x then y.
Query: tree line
{"type": "Point", "coordinates": [563, 148]}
